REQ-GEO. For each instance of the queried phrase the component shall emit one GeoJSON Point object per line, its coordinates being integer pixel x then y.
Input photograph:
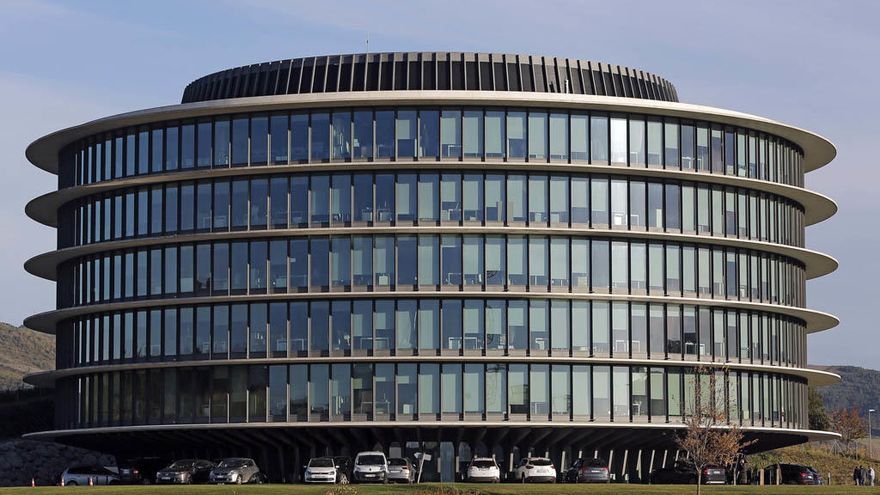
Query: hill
{"type": "Point", "coordinates": [859, 389]}
{"type": "Point", "coordinates": [23, 351]}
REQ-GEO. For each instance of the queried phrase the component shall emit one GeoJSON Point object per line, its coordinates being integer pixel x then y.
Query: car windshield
{"type": "Point", "coordinates": [321, 462]}
{"type": "Point", "coordinates": [370, 460]}
{"type": "Point", "coordinates": [483, 464]}
{"type": "Point", "coordinates": [396, 462]}
{"type": "Point", "coordinates": [539, 462]}
{"type": "Point", "coordinates": [231, 463]}
{"type": "Point", "coordinates": [181, 464]}
{"type": "Point", "coordinates": [596, 463]}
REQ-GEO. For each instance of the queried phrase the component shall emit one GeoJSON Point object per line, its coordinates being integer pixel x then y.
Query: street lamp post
{"type": "Point", "coordinates": [870, 450]}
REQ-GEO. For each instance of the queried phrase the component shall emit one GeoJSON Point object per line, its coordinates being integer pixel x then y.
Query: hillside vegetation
{"type": "Point", "coordinates": [23, 351]}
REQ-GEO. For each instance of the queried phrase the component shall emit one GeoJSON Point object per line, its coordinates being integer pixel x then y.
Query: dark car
{"type": "Point", "coordinates": [344, 466]}
{"type": "Point", "coordinates": [684, 473]}
{"type": "Point", "coordinates": [588, 471]}
{"type": "Point", "coordinates": [185, 471]}
{"type": "Point", "coordinates": [791, 474]}
{"type": "Point", "coordinates": [140, 470]}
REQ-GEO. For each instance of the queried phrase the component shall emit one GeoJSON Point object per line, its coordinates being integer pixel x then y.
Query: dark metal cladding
{"type": "Point", "coordinates": [401, 71]}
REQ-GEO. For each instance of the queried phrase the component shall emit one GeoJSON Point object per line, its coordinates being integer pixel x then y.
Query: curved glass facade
{"type": "Point", "coordinates": [448, 198]}
{"type": "Point", "coordinates": [412, 273]}
{"type": "Point", "coordinates": [424, 391]}
{"type": "Point", "coordinates": [432, 134]}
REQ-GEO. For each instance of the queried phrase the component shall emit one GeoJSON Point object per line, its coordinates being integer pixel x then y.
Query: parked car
{"type": "Point", "coordinates": [80, 475]}
{"type": "Point", "coordinates": [684, 473]}
{"type": "Point", "coordinates": [535, 470]}
{"type": "Point", "coordinates": [235, 470]}
{"type": "Point", "coordinates": [791, 474]}
{"type": "Point", "coordinates": [588, 471]}
{"type": "Point", "coordinates": [483, 469]}
{"type": "Point", "coordinates": [140, 470]}
{"type": "Point", "coordinates": [185, 471]}
{"type": "Point", "coordinates": [401, 470]}
{"type": "Point", "coordinates": [370, 467]}
{"type": "Point", "coordinates": [321, 470]}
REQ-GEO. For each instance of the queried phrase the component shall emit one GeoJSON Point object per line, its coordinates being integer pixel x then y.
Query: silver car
{"type": "Point", "coordinates": [400, 470]}
{"type": "Point", "coordinates": [80, 475]}
{"type": "Point", "coordinates": [235, 470]}
{"type": "Point", "coordinates": [321, 470]}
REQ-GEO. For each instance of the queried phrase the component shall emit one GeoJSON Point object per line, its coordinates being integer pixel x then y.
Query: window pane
{"type": "Point", "coordinates": [450, 134]}
{"type": "Point", "coordinates": [320, 137]}
{"type": "Point", "coordinates": [363, 135]}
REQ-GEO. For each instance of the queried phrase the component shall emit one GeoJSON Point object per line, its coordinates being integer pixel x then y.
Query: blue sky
{"type": "Point", "coordinates": [810, 63]}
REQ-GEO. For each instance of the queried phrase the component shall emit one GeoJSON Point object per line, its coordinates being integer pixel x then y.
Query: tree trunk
{"type": "Point", "coordinates": [699, 481]}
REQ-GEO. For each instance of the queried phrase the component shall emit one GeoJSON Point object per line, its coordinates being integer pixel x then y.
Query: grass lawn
{"type": "Point", "coordinates": [445, 489]}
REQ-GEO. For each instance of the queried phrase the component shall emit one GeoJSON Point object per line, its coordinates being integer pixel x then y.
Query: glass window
{"type": "Point", "coordinates": [670, 142]}
{"type": "Point", "coordinates": [407, 257]}
{"type": "Point", "coordinates": [341, 328]}
{"type": "Point", "coordinates": [299, 137]}
{"type": "Point", "coordinates": [187, 149]}
{"type": "Point", "coordinates": [340, 262]}
{"type": "Point", "coordinates": [320, 201]}
{"type": "Point", "coordinates": [259, 202]}
{"type": "Point", "coordinates": [673, 207]}
{"type": "Point", "coordinates": [362, 142]}
{"type": "Point", "coordinates": [516, 198]}
{"type": "Point", "coordinates": [362, 261]}
{"type": "Point", "coordinates": [319, 331]}
{"type": "Point", "coordinates": [238, 330]}
{"type": "Point", "coordinates": [496, 388]}
{"type": "Point", "coordinates": [204, 144]}
{"type": "Point", "coordinates": [240, 141]}
{"type": "Point", "coordinates": [518, 389]}
{"type": "Point", "coordinates": [362, 327]}
{"type": "Point", "coordinates": [618, 141]}
{"type": "Point", "coordinates": [340, 199]}
{"type": "Point", "coordinates": [537, 136]}
{"type": "Point", "coordinates": [472, 202]}
{"type": "Point", "coordinates": [429, 389]}
{"type": "Point", "coordinates": [516, 135]}
{"type": "Point", "coordinates": [405, 196]}
{"type": "Point", "coordinates": [655, 142]}
{"type": "Point", "coordinates": [602, 391]}
{"type": "Point", "coordinates": [319, 263]}
{"type": "Point", "coordinates": [278, 212]}
{"type": "Point", "coordinates": [405, 133]}
{"type": "Point", "coordinates": [450, 134]}
{"type": "Point", "coordinates": [538, 262]}
{"type": "Point", "coordinates": [384, 260]}
{"type": "Point", "coordinates": [702, 149]}
{"type": "Point", "coordinates": [495, 198]}
{"type": "Point", "coordinates": [239, 204]}
{"type": "Point", "coordinates": [559, 136]}
{"type": "Point", "coordinates": [687, 147]}
{"type": "Point", "coordinates": [599, 202]}
{"type": "Point", "coordinates": [472, 127]}
{"type": "Point", "coordinates": [385, 134]}
{"type": "Point", "coordinates": [259, 140]}
{"type": "Point", "coordinates": [320, 137]}
{"type": "Point", "coordinates": [516, 260]}
{"type": "Point", "coordinates": [428, 134]}
{"type": "Point", "coordinates": [363, 198]}
{"type": "Point", "coordinates": [579, 138]}
{"type": "Point", "coordinates": [299, 264]}
{"type": "Point", "coordinates": [341, 136]}
{"type": "Point", "coordinates": [279, 139]}
{"type": "Point", "coordinates": [299, 201]}
{"type": "Point", "coordinates": [450, 260]}
{"type": "Point", "coordinates": [598, 139]}
{"type": "Point", "coordinates": [257, 331]}
{"type": "Point", "coordinates": [495, 128]}
{"type": "Point", "coordinates": [516, 325]}
{"type": "Point", "coordinates": [384, 197]}
{"type": "Point", "coordinates": [319, 391]}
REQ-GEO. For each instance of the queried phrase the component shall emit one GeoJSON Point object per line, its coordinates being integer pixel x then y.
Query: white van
{"type": "Point", "coordinates": [370, 467]}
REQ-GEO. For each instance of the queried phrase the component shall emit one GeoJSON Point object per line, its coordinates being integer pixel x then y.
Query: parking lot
{"type": "Point", "coordinates": [442, 489]}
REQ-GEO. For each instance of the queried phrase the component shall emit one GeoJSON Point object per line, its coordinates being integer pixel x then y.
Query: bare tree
{"type": "Point", "coordinates": [850, 425]}
{"type": "Point", "coordinates": [709, 438]}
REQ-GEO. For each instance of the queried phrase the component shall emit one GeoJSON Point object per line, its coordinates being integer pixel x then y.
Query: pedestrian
{"type": "Point", "coordinates": [864, 475]}
{"type": "Point", "coordinates": [856, 474]}
{"type": "Point", "coordinates": [871, 476]}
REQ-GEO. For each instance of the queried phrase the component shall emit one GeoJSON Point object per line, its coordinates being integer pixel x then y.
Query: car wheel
{"type": "Point", "coordinates": [71, 483]}
{"type": "Point", "coordinates": [342, 479]}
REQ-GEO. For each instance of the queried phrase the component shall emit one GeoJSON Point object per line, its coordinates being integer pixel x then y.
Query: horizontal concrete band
{"type": "Point", "coordinates": [816, 264]}
{"type": "Point", "coordinates": [815, 321]}
{"type": "Point", "coordinates": [811, 435]}
{"type": "Point", "coordinates": [818, 151]}
{"type": "Point", "coordinates": [817, 207]}
{"type": "Point", "coordinates": [815, 377]}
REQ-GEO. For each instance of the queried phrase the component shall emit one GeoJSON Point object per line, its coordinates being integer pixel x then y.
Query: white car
{"type": "Point", "coordinates": [370, 467]}
{"type": "Point", "coordinates": [535, 470]}
{"type": "Point", "coordinates": [483, 469]}
{"type": "Point", "coordinates": [321, 470]}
